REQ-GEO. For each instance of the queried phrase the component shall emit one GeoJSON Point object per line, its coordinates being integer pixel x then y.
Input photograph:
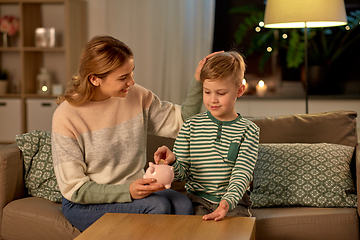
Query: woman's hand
{"type": "Point", "coordinates": [201, 64]}
{"type": "Point", "coordinates": [219, 213]}
{"type": "Point", "coordinates": [143, 187]}
{"type": "Point", "coordinates": [165, 153]}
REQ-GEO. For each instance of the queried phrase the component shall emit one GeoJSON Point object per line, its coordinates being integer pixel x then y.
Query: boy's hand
{"type": "Point", "coordinates": [165, 153]}
{"type": "Point", "coordinates": [201, 64]}
{"type": "Point", "coordinates": [143, 187]}
{"type": "Point", "coordinates": [219, 213]}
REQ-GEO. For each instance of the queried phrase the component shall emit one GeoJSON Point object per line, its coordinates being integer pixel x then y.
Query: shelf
{"type": "Point", "coordinates": [23, 60]}
{"type": "Point", "coordinates": [44, 49]}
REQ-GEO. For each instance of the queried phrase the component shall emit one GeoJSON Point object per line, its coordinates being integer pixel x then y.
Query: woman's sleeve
{"type": "Point", "coordinates": [193, 102]}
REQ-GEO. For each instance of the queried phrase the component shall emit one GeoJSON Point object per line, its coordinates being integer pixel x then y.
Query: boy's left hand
{"type": "Point", "coordinates": [219, 213]}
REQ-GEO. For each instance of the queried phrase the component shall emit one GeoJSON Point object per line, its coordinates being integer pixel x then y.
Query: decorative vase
{"type": "Point", "coordinates": [5, 39]}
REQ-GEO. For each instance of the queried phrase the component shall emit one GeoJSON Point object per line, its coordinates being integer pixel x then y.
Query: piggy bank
{"type": "Point", "coordinates": [163, 174]}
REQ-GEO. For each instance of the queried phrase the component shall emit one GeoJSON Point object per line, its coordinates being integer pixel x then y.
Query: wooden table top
{"type": "Point", "coordinates": [169, 227]}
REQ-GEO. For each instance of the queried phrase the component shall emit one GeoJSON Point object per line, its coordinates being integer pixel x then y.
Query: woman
{"type": "Point", "coordinates": [99, 135]}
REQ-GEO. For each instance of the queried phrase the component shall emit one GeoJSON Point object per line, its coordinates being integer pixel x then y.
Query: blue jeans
{"type": "Point", "coordinates": [167, 201]}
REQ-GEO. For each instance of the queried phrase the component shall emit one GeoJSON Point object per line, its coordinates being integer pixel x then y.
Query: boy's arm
{"type": "Point", "coordinates": [182, 153]}
{"type": "Point", "coordinates": [242, 172]}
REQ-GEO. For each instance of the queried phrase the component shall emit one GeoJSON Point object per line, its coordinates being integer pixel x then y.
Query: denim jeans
{"type": "Point", "coordinates": [167, 201]}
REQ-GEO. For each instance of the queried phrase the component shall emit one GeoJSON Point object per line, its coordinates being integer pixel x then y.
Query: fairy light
{"type": "Point", "coordinates": [347, 27]}
{"type": "Point", "coordinates": [261, 24]}
{"type": "Point", "coordinates": [269, 49]}
{"type": "Point", "coordinates": [257, 29]}
{"type": "Point", "coordinates": [284, 36]}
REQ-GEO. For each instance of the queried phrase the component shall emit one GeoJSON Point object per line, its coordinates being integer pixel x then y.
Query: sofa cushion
{"type": "Point", "coordinates": [300, 174]}
{"type": "Point", "coordinates": [39, 173]}
{"type": "Point", "coordinates": [337, 127]}
{"type": "Point", "coordinates": [36, 218]}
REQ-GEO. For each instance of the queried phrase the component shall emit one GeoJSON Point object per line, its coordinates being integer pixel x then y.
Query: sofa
{"type": "Point", "coordinates": [23, 216]}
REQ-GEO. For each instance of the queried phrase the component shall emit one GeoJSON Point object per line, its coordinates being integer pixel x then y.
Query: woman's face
{"type": "Point", "coordinates": [116, 84]}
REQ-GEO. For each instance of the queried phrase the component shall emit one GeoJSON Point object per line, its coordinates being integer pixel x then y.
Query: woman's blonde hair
{"type": "Point", "coordinates": [101, 55]}
{"type": "Point", "coordinates": [223, 65]}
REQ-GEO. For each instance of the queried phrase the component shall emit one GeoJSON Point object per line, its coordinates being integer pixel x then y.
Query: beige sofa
{"type": "Point", "coordinates": [23, 217]}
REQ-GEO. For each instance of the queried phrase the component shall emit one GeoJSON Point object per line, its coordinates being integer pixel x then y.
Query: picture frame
{"type": "Point", "coordinates": [45, 37]}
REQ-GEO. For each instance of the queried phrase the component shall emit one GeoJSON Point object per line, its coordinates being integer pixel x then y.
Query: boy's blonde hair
{"type": "Point", "coordinates": [223, 65]}
{"type": "Point", "coordinates": [101, 56]}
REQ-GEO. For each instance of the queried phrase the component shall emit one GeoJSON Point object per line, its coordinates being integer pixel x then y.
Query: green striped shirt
{"type": "Point", "coordinates": [217, 158]}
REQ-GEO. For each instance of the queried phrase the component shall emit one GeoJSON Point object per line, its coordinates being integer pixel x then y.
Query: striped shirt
{"type": "Point", "coordinates": [217, 158]}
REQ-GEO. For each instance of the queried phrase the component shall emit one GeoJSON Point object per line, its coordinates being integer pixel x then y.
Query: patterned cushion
{"type": "Point", "coordinates": [39, 174]}
{"type": "Point", "coordinates": [299, 174]}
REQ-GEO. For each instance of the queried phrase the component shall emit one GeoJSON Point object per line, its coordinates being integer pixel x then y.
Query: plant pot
{"type": "Point", "coordinates": [3, 86]}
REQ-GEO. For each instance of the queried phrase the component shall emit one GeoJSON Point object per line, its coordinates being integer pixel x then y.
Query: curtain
{"type": "Point", "coordinates": [168, 38]}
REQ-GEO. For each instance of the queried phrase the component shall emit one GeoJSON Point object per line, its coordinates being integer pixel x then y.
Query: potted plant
{"type": "Point", "coordinates": [3, 81]}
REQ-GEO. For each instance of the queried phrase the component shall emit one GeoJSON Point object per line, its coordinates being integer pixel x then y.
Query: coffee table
{"type": "Point", "coordinates": [157, 227]}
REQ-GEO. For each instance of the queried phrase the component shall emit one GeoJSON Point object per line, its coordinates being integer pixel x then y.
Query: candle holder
{"type": "Point", "coordinates": [261, 88]}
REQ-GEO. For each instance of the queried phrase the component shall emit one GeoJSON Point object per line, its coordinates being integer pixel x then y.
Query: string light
{"type": "Point", "coordinates": [261, 23]}
{"type": "Point", "coordinates": [347, 28]}
{"type": "Point", "coordinates": [257, 29]}
{"type": "Point", "coordinates": [269, 49]}
{"type": "Point", "coordinates": [284, 36]}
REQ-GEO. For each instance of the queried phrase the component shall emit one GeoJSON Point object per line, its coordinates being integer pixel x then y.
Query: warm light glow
{"type": "Point", "coordinates": [303, 24]}
{"type": "Point", "coordinates": [261, 23]}
{"type": "Point", "coordinates": [269, 49]}
{"type": "Point", "coordinates": [261, 83]}
{"type": "Point", "coordinates": [347, 28]}
{"type": "Point", "coordinates": [301, 13]}
{"type": "Point", "coordinates": [284, 36]}
{"type": "Point", "coordinates": [257, 29]}
{"type": "Point", "coordinates": [44, 88]}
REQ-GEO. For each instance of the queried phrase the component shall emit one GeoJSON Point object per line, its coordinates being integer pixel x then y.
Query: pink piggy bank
{"type": "Point", "coordinates": [163, 174]}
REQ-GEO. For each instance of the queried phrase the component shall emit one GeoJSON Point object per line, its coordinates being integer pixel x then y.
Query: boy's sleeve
{"type": "Point", "coordinates": [182, 153]}
{"type": "Point", "coordinates": [242, 173]}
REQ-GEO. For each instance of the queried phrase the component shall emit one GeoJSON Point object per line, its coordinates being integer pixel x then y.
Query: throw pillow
{"type": "Point", "coordinates": [39, 175]}
{"type": "Point", "coordinates": [299, 174]}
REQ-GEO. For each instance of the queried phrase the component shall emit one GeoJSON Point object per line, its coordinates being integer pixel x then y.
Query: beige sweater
{"type": "Point", "coordinates": [99, 148]}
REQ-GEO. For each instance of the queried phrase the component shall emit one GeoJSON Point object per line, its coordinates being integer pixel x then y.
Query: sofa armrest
{"type": "Point", "coordinates": [11, 174]}
{"type": "Point", "coordinates": [357, 152]}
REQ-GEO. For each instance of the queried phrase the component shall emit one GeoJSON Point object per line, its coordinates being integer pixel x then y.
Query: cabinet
{"type": "Point", "coordinates": [10, 119]}
{"type": "Point", "coordinates": [23, 59]}
{"type": "Point", "coordinates": [39, 113]}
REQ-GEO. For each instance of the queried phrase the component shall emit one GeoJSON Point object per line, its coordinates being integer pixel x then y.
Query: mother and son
{"type": "Point", "coordinates": [99, 133]}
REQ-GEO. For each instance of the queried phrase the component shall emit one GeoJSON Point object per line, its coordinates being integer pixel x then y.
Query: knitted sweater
{"type": "Point", "coordinates": [217, 158]}
{"type": "Point", "coordinates": [99, 148]}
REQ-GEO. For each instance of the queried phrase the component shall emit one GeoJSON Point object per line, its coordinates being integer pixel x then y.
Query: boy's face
{"type": "Point", "coordinates": [219, 96]}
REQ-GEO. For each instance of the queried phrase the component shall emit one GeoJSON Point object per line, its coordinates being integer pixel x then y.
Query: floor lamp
{"type": "Point", "coordinates": [304, 14]}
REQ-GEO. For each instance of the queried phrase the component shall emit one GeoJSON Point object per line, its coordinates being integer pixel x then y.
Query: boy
{"type": "Point", "coordinates": [216, 151]}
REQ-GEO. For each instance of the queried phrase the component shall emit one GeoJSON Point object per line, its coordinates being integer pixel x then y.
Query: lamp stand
{"type": "Point", "coordinates": [306, 71]}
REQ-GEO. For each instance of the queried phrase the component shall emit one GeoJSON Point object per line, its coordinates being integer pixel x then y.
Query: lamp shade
{"type": "Point", "coordinates": [301, 13]}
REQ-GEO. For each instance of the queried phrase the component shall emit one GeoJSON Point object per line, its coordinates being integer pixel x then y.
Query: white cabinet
{"type": "Point", "coordinates": [10, 119]}
{"type": "Point", "coordinates": [39, 113]}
